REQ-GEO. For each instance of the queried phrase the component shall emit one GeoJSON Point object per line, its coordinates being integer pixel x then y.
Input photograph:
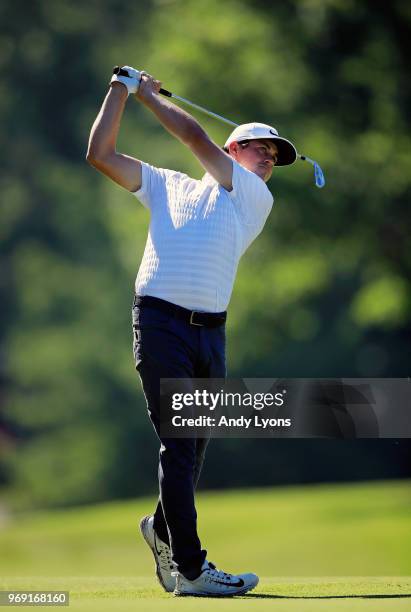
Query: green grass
{"type": "Point", "coordinates": [288, 594]}
{"type": "Point", "coordinates": [343, 547]}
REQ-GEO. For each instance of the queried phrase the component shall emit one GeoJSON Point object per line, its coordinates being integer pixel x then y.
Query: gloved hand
{"type": "Point", "coordinates": [132, 81]}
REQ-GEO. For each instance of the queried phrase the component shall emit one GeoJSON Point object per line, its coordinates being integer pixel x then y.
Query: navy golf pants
{"type": "Point", "coordinates": [167, 347]}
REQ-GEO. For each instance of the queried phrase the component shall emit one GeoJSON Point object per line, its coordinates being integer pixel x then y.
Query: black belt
{"type": "Point", "coordinates": [194, 317]}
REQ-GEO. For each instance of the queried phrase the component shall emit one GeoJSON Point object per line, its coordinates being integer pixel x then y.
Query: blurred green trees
{"type": "Point", "coordinates": [323, 292]}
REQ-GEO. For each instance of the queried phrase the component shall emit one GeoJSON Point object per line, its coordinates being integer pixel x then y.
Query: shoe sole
{"type": "Point", "coordinates": [225, 595]}
{"type": "Point", "coordinates": [143, 530]}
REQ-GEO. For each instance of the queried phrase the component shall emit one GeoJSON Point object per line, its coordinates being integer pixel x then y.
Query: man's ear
{"type": "Point", "coordinates": [233, 149]}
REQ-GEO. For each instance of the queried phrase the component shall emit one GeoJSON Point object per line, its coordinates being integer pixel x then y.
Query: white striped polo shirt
{"type": "Point", "coordinates": [197, 234]}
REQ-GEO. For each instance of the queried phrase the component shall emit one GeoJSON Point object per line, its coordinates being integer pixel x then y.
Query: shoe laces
{"type": "Point", "coordinates": [216, 573]}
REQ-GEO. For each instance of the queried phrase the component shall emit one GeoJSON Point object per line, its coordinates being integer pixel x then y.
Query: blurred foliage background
{"type": "Point", "coordinates": [323, 292]}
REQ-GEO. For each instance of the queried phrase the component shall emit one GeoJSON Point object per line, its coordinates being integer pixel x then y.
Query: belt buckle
{"type": "Point", "coordinates": [193, 312]}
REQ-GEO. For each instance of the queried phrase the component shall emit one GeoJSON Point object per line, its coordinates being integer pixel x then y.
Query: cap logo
{"type": "Point", "coordinates": [272, 132]}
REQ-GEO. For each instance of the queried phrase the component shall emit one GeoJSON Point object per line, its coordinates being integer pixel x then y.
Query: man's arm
{"type": "Point", "coordinates": [101, 153]}
{"type": "Point", "coordinates": [126, 170]}
{"type": "Point", "coordinates": [184, 127]}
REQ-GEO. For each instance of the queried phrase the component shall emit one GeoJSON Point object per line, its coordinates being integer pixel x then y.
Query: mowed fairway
{"type": "Point", "coordinates": [339, 547]}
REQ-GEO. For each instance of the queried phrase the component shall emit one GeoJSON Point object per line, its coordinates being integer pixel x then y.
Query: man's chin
{"type": "Point", "coordinates": [265, 175]}
{"type": "Point", "coordinates": [262, 173]}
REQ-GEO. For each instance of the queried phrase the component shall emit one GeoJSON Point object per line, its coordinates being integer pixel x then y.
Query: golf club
{"type": "Point", "coordinates": [318, 173]}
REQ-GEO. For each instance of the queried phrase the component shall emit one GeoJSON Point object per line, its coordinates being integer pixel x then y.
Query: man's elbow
{"type": "Point", "coordinates": [90, 160]}
{"type": "Point", "coordinates": [93, 158]}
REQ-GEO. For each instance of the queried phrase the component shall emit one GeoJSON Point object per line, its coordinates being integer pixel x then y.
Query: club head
{"type": "Point", "coordinates": [318, 173]}
{"type": "Point", "coordinates": [319, 176]}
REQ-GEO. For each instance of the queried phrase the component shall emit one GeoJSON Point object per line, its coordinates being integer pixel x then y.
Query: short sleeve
{"type": "Point", "coordinates": [159, 185]}
{"type": "Point", "coordinates": [253, 201]}
{"type": "Point", "coordinates": [153, 185]}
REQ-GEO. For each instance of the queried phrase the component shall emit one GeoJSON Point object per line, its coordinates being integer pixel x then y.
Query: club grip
{"type": "Point", "coordinates": [121, 72]}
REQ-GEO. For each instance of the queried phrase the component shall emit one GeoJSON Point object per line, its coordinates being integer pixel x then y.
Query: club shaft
{"type": "Point", "coordinates": [203, 110]}
{"type": "Point", "coordinates": [169, 94]}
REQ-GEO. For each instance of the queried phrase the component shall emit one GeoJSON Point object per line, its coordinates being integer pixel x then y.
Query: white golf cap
{"type": "Point", "coordinates": [287, 153]}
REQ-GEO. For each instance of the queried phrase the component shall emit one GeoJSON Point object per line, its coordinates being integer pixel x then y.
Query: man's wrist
{"type": "Point", "coordinates": [119, 89]}
{"type": "Point", "coordinates": [150, 100]}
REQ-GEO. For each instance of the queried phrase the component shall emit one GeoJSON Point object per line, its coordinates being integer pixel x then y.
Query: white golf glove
{"type": "Point", "coordinates": [132, 81]}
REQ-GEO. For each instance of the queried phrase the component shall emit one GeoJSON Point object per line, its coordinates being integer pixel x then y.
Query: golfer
{"type": "Point", "coordinates": [198, 231]}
